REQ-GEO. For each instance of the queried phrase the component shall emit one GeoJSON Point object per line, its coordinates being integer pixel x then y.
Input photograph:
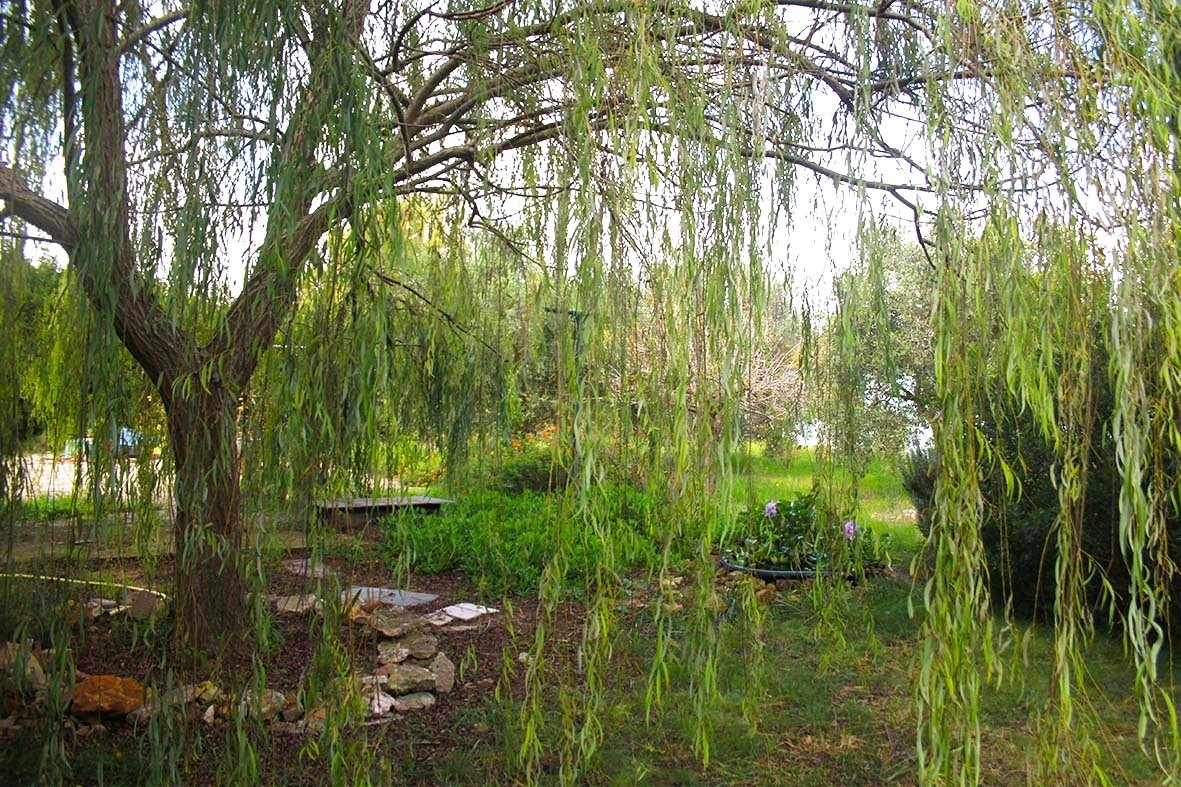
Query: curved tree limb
{"type": "Point", "coordinates": [150, 27]}
{"type": "Point", "coordinates": [44, 214]}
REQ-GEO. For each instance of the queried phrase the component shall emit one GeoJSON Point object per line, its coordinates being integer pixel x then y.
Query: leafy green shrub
{"type": "Point", "coordinates": [533, 470]}
{"type": "Point", "coordinates": [789, 536]}
{"type": "Point", "coordinates": [1018, 534]}
{"type": "Point", "coordinates": [505, 541]}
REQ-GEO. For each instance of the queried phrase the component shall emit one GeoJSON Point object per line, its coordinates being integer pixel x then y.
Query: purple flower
{"type": "Point", "coordinates": [771, 510]}
{"type": "Point", "coordinates": [850, 530]}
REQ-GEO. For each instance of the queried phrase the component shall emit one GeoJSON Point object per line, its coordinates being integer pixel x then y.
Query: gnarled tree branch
{"type": "Point", "coordinates": [44, 214]}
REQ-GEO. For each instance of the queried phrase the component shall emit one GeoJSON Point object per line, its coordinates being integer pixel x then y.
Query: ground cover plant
{"type": "Point", "coordinates": [503, 541]}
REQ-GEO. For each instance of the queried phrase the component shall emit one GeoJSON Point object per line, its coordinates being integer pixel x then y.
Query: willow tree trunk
{"type": "Point", "coordinates": [211, 598]}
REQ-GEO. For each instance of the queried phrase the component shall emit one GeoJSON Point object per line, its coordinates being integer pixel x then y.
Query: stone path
{"type": "Point", "coordinates": [465, 611]}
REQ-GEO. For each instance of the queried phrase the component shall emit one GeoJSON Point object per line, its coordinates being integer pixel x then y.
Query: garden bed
{"type": "Point", "coordinates": [119, 645]}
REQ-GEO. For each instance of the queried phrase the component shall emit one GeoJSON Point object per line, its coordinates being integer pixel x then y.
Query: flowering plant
{"type": "Point", "coordinates": [782, 536]}
{"type": "Point", "coordinates": [788, 535]}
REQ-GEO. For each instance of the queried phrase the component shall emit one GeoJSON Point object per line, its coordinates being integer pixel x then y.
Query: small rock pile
{"type": "Point", "coordinates": [764, 591]}
{"type": "Point", "coordinates": [100, 698]}
{"type": "Point", "coordinates": [137, 603]}
{"type": "Point", "coordinates": [412, 670]}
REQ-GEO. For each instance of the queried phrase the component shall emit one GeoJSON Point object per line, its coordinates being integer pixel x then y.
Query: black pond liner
{"type": "Point", "coordinates": [780, 573]}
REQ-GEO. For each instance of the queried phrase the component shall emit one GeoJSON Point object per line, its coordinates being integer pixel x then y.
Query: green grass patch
{"type": "Point", "coordinates": [504, 541]}
{"type": "Point", "coordinates": [830, 701]}
{"type": "Point", "coordinates": [48, 507]}
{"type": "Point", "coordinates": [830, 698]}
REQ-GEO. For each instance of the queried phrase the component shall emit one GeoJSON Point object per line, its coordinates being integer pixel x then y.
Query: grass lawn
{"type": "Point", "coordinates": [821, 695]}
{"type": "Point", "coordinates": [828, 698]}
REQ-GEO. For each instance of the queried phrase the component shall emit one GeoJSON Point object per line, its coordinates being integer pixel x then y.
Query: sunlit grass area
{"type": "Point", "coordinates": [823, 693]}
{"type": "Point", "coordinates": [820, 693]}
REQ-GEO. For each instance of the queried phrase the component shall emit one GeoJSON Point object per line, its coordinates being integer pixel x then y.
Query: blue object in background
{"type": "Point", "coordinates": [127, 443]}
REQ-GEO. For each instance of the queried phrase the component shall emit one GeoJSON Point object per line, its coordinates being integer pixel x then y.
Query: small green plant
{"type": "Point", "coordinates": [500, 540]}
{"type": "Point", "coordinates": [789, 536]}
{"type": "Point", "coordinates": [534, 469]}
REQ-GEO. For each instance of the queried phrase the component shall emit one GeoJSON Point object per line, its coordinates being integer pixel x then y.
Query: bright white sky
{"type": "Point", "coordinates": [819, 242]}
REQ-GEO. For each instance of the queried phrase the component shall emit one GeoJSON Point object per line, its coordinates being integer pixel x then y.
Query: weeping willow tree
{"type": "Point", "coordinates": [637, 161]}
{"type": "Point", "coordinates": [182, 130]}
{"type": "Point", "coordinates": [1077, 183]}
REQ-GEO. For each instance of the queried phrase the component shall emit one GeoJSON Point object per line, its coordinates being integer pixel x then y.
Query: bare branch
{"type": "Point", "coordinates": [24, 236]}
{"type": "Point", "coordinates": [152, 26]}
{"type": "Point", "coordinates": [210, 133]}
{"type": "Point", "coordinates": [455, 324]}
{"type": "Point", "coordinates": [46, 215]}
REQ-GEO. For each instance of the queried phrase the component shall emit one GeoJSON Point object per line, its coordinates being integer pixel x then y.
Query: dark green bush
{"type": "Point", "coordinates": [533, 470]}
{"type": "Point", "coordinates": [1019, 534]}
{"type": "Point", "coordinates": [919, 468]}
{"type": "Point", "coordinates": [504, 542]}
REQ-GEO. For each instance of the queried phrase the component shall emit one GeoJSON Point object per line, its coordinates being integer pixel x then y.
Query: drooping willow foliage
{"type": "Point", "coordinates": [306, 241]}
{"type": "Point", "coordinates": [1088, 236]}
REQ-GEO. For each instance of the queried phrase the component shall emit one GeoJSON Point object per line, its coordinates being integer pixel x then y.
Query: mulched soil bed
{"type": "Point", "coordinates": [116, 646]}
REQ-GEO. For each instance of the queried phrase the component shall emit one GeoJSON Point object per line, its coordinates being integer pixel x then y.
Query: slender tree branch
{"type": "Point", "coordinates": [24, 236]}
{"type": "Point", "coordinates": [46, 215]}
{"type": "Point", "coordinates": [269, 294]}
{"type": "Point", "coordinates": [209, 133]}
{"type": "Point", "coordinates": [150, 27]}
{"type": "Point", "coordinates": [450, 319]}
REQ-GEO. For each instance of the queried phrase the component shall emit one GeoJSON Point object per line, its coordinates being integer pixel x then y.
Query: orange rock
{"type": "Point", "coordinates": [316, 719]}
{"type": "Point", "coordinates": [109, 695]}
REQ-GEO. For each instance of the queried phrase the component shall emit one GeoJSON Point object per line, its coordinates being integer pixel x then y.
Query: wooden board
{"type": "Point", "coordinates": [358, 511]}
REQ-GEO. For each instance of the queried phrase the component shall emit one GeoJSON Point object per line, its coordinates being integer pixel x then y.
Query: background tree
{"type": "Point", "coordinates": [874, 352]}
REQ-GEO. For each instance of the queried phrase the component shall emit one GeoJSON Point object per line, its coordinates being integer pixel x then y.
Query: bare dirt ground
{"type": "Point", "coordinates": [415, 741]}
{"type": "Point", "coordinates": [52, 475]}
